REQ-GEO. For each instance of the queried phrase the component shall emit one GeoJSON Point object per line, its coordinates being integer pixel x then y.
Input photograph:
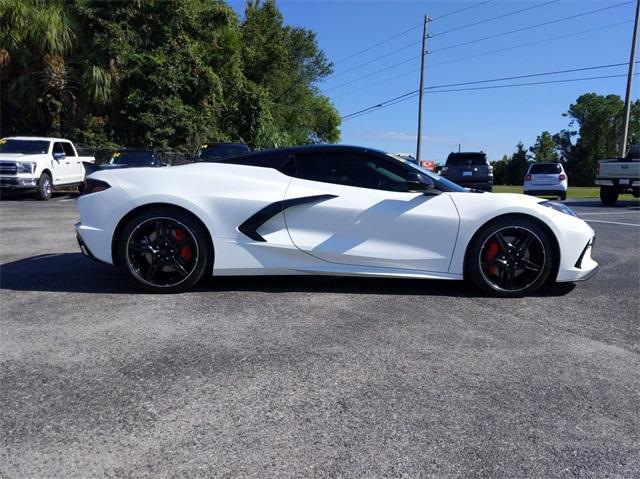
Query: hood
{"type": "Point", "coordinates": [15, 156]}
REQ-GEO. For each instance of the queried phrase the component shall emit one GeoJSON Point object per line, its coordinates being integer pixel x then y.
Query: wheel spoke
{"type": "Point", "coordinates": [508, 277]}
{"type": "Point", "coordinates": [524, 243]}
{"type": "Point", "coordinates": [139, 248]}
{"type": "Point", "coordinates": [531, 266]}
{"type": "Point", "coordinates": [161, 233]}
{"type": "Point", "coordinates": [178, 267]}
{"type": "Point", "coordinates": [153, 270]}
{"type": "Point", "coordinates": [502, 242]}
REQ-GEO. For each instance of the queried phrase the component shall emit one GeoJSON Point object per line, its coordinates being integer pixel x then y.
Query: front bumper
{"type": "Point", "coordinates": [619, 182]}
{"type": "Point", "coordinates": [18, 183]}
{"type": "Point", "coordinates": [583, 269]}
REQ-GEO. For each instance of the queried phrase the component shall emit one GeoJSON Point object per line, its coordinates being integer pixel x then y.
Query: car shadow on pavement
{"type": "Point", "coordinates": [73, 273]}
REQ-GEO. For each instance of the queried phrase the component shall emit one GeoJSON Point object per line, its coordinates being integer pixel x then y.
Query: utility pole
{"type": "Point", "coordinates": [627, 100]}
{"type": "Point", "coordinates": [425, 35]}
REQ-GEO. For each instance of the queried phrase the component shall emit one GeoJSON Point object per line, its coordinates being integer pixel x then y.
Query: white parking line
{"type": "Point", "coordinates": [613, 223]}
{"type": "Point", "coordinates": [637, 212]}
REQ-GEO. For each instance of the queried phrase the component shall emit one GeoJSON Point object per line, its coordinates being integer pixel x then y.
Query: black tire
{"type": "Point", "coordinates": [511, 273]}
{"type": "Point", "coordinates": [608, 195]}
{"type": "Point", "coordinates": [154, 257]}
{"type": "Point", "coordinates": [563, 196]}
{"type": "Point", "coordinates": [45, 187]}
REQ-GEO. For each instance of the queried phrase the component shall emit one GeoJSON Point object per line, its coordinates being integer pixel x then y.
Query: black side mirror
{"type": "Point", "coordinates": [420, 183]}
{"type": "Point", "coordinates": [59, 156]}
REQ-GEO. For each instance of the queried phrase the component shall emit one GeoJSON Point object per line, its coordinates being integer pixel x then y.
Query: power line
{"type": "Point", "coordinates": [535, 42]}
{"type": "Point", "coordinates": [467, 57]}
{"type": "Point", "coordinates": [404, 32]}
{"type": "Point", "coordinates": [409, 45]}
{"type": "Point", "coordinates": [531, 27]}
{"type": "Point", "coordinates": [373, 73]}
{"type": "Point", "coordinates": [475, 82]}
{"type": "Point", "coordinates": [371, 85]}
{"type": "Point", "coordinates": [379, 44]}
{"type": "Point", "coordinates": [530, 75]}
{"type": "Point", "coordinates": [375, 59]}
{"type": "Point", "coordinates": [469, 25]}
{"type": "Point", "coordinates": [491, 87]}
{"type": "Point", "coordinates": [463, 9]}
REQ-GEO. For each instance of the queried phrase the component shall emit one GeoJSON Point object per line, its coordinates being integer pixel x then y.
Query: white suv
{"type": "Point", "coordinates": [546, 179]}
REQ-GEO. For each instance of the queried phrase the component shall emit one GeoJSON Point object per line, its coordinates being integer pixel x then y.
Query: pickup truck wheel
{"type": "Point", "coordinates": [608, 195]}
{"type": "Point", "coordinates": [563, 196]}
{"type": "Point", "coordinates": [44, 187]}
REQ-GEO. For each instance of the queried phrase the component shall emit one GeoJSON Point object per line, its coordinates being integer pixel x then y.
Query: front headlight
{"type": "Point", "coordinates": [562, 208]}
{"type": "Point", "coordinates": [26, 167]}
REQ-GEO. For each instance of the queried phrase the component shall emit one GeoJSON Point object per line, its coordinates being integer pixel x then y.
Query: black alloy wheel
{"type": "Point", "coordinates": [510, 259]}
{"type": "Point", "coordinates": [164, 253]}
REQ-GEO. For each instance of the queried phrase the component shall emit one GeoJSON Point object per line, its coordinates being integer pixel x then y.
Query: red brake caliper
{"type": "Point", "coordinates": [490, 254]}
{"type": "Point", "coordinates": [185, 251]}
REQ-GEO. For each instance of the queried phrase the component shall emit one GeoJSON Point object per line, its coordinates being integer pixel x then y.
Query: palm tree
{"type": "Point", "coordinates": [37, 45]}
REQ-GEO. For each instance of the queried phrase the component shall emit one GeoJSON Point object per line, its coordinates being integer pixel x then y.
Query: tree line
{"type": "Point", "coordinates": [161, 73]}
{"type": "Point", "coordinates": [595, 124]}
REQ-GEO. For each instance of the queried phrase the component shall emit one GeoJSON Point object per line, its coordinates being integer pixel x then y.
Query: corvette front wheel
{"type": "Point", "coordinates": [164, 251]}
{"type": "Point", "coordinates": [510, 258]}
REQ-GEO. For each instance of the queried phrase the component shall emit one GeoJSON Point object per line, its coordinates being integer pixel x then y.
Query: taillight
{"type": "Point", "coordinates": [563, 177]}
{"type": "Point", "coordinates": [528, 178]}
{"type": "Point", "coordinates": [93, 186]}
{"type": "Point", "coordinates": [598, 169]}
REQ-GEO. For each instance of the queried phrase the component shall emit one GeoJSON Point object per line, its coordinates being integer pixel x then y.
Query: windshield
{"type": "Point", "coordinates": [215, 152]}
{"type": "Point", "coordinates": [545, 168]}
{"type": "Point", "coordinates": [26, 147]}
{"type": "Point", "coordinates": [138, 158]}
{"type": "Point", "coordinates": [441, 183]}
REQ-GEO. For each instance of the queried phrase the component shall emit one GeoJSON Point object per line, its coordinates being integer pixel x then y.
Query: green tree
{"type": "Point", "coordinates": [499, 170]}
{"type": "Point", "coordinates": [42, 68]}
{"type": "Point", "coordinates": [516, 168]}
{"type": "Point", "coordinates": [544, 149]}
{"type": "Point", "coordinates": [161, 73]}
{"type": "Point", "coordinates": [285, 63]}
{"type": "Point", "coordinates": [599, 120]}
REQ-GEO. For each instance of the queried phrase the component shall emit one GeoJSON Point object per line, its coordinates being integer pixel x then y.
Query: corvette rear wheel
{"type": "Point", "coordinates": [164, 251]}
{"type": "Point", "coordinates": [510, 258]}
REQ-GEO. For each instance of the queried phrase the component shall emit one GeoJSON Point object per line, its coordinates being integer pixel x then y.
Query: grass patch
{"type": "Point", "coordinates": [574, 192]}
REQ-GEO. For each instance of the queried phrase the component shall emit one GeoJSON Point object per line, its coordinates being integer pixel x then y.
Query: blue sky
{"type": "Point", "coordinates": [491, 120]}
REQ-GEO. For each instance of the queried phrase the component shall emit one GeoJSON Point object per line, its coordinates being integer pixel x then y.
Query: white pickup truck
{"type": "Point", "coordinates": [619, 176]}
{"type": "Point", "coordinates": [30, 163]}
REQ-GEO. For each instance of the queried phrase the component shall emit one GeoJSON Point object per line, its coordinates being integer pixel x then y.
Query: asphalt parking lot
{"type": "Point", "coordinates": [312, 377]}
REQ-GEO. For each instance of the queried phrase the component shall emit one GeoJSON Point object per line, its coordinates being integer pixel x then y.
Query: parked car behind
{"type": "Point", "coordinates": [546, 179]}
{"type": "Point", "coordinates": [132, 158]}
{"type": "Point", "coordinates": [469, 169]}
{"type": "Point", "coordinates": [212, 152]}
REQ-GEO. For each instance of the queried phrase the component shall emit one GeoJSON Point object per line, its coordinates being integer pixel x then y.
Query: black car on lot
{"type": "Point", "coordinates": [469, 169]}
{"type": "Point", "coordinates": [132, 158]}
{"type": "Point", "coordinates": [212, 152]}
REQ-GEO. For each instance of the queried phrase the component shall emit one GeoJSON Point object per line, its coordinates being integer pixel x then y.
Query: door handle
{"type": "Point", "coordinates": [66, 162]}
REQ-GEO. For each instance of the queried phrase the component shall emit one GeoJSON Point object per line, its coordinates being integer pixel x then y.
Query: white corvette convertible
{"type": "Point", "coordinates": [332, 210]}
